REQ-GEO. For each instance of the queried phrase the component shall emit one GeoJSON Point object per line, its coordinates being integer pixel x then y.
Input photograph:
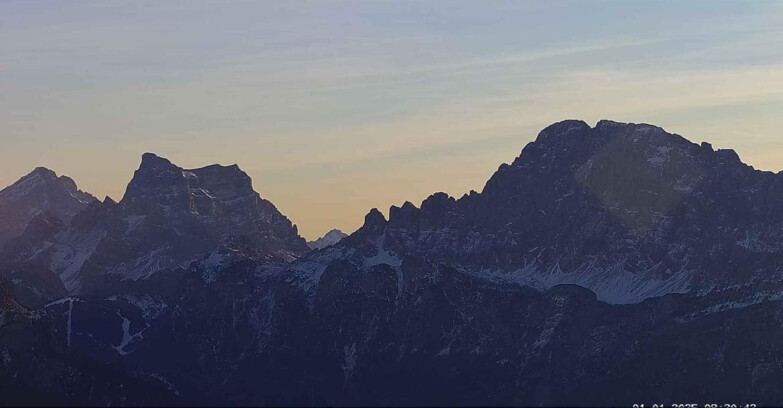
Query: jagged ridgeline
{"type": "Point", "coordinates": [605, 265]}
{"type": "Point", "coordinates": [167, 218]}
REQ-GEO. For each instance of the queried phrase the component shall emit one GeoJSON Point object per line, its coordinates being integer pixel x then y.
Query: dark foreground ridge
{"type": "Point", "coordinates": [605, 265]}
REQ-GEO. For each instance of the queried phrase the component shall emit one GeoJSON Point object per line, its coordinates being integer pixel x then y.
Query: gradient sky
{"type": "Point", "coordinates": [335, 107]}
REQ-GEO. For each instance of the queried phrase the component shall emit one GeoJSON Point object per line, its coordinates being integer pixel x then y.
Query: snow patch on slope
{"type": "Point", "coordinates": [70, 253]}
{"type": "Point", "coordinates": [383, 257]}
{"type": "Point", "coordinates": [68, 326]}
{"type": "Point", "coordinates": [127, 337]}
{"type": "Point", "coordinates": [729, 301]}
{"type": "Point", "coordinates": [613, 285]}
{"type": "Point", "coordinates": [212, 264]}
{"type": "Point", "coordinates": [144, 266]}
{"type": "Point", "coordinates": [307, 271]}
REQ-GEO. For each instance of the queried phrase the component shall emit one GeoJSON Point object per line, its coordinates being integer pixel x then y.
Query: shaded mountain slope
{"type": "Point", "coordinates": [168, 217]}
{"type": "Point", "coordinates": [628, 211]}
{"type": "Point", "coordinates": [39, 191]}
{"type": "Point", "coordinates": [604, 266]}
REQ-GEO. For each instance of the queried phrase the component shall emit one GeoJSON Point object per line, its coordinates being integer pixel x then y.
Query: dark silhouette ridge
{"type": "Point", "coordinates": [603, 266]}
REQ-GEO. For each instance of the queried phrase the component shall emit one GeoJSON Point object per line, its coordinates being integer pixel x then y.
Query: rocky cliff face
{"type": "Point", "coordinates": [603, 266]}
{"type": "Point", "coordinates": [40, 191]}
{"type": "Point", "coordinates": [168, 217]}
{"type": "Point", "coordinates": [628, 211]}
{"type": "Point", "coordinates": [215, 198]}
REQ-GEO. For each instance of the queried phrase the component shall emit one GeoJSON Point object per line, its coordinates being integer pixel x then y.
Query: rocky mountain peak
{"type": "Point", "coordinates": [183, 284]}
{"type": "Point", "coordinates": [436, 209]}
{"type": "Point", "coordinates": [151, 161]}
{"type": "Point", "coordinates": [160, 186]}
{"type": "Point", "coordinates": [43, 178]}
{"type": "Point", "coordinates": [563, 128]}
{"type": "Point", "coordinates": [571, 150]}
{"type": "Point", "coordinates": [576, 133]}
{"type": "Point", "coordinates": [41, 190]}
{"type": "Point", "coordinates": [43, 172]}
{"type": "Point", "coordinates": [405, 216]}
{"type": "Point", "coordinates": [170, 215]}
{"type": "Point", "coordinates": [157, 182]}
{"type": "Point", "coordinates": [222, 180]}
{"type": "Point", "coordinates": [619, 195]}
{"type": "Point", "coordinates": [374, 220]}
{"type": "Point", "coordinates": [437, 203]}
{"type": "Point", "coordinates": [330, 238]}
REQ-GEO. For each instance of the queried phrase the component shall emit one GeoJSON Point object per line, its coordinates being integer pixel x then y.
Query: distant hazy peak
{"type": "Point", "coordinates": [332, 237]}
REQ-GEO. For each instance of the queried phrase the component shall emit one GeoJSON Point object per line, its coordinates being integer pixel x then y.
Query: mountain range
{"type": "Point", "coordinates": [605, 265]}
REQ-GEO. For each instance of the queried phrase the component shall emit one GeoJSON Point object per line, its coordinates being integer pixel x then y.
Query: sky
{"type": "Point", "coordinates": [336, 107]}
